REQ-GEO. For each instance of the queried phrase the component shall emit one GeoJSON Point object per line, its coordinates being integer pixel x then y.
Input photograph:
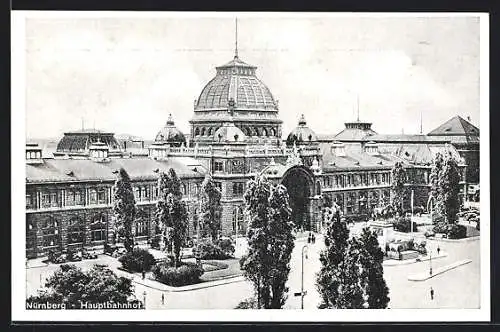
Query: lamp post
{"type": "Point", "coordinates": [430, 262]}
{"type": "Point", "coordinates": [144, 295]}
{"type": "Point", "coordinates": [302, 293]}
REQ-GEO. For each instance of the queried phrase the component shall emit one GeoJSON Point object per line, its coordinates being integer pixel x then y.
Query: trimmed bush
{"type": "Point", "coordinates": [250, 303]}
{"type": "Point", "coordinates": [452, 231]}
{"type": "Point", "coordinates": [437, 218]}
{"type": "Point", "coordinates": [440, 227]}
{"type": "Point", "coordinates": [456, 231]}
{"type": "Point", "coordinates": [223, 249]}
{"type": "Point", "coordinates": [137, 260]}
{"type": "Point", "coordinates": [403, 225]}
{"type": "Point", "coordinates": [186, 274]}
{"type": "Point", "coordinates": [226, 246]}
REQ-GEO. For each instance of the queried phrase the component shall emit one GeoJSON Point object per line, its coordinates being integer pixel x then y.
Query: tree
{"type": "Point", "coordinates": [349, 278]}
{"type": "Point", "coordinates": [434, 180]}
{"type": "Point", "coordinates": [398, 188]}
{"type": "Point", "coordinates": [71, 286]}
{"type": "Point", "coordinates": [124, 208]}
{"type": "Point", "coordinates": [171, 212]}
{"type": "Point", "coordinates": [328, 279]}
{"type": "Point", "coordinates": [374, 284]}
{"type": "Point", "coordinates": [211, 208]}
{"type": "Point", "coordinates": [449, 189]}
{"type": "Point", "coordinates": [270, 242]}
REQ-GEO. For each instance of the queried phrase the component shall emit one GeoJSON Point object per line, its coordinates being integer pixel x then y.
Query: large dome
{"type": "Point", "coordinates": [302, 134]}
{"type": "Point", "coordinates": [235, 84]}
{"type": "Point", "coordinates": [170, 134]}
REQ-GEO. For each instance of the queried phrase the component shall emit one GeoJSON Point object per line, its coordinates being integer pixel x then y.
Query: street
{"type": "Point", "coordinates": [457, 288]}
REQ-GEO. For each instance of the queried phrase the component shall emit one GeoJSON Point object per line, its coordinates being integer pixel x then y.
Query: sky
{"type": "Point", "coordinates": [126, 75]}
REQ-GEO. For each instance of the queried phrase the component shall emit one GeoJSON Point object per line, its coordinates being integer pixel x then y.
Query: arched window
{"type": "Point", "coordinates": [238, 218]}
{"type": "Point", "coordinates": [272, 132]}
{"type": "Point", "coordinates": [264, 132]}
{"type": "Point", "coordinates": [318, 188]}
{"type": "Point", "coordinates": [197, 132]}
{"type": "Point", "coordinates": [209, 132]}
{"type": "Point", "coordinates": [98, 227]}
{"type": "Point", "coordinates": [203, 131]}
{"type": "Point", "coordinates": [50, 233]}
{"type": "Point", "coordinates": [75, 230]}
{"type": "Point", "coordinates": [183, 189]}
{"type": "Point", "coordinates": [256, 131]}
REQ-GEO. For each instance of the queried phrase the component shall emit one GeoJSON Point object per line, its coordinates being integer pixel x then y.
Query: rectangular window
{"type": "Point", "coordinates": [53, 199]}
{"type": "Point", "coordinates": [238, 188]}
{"type": "Point", "coordinates": [29, 201]}
{"type": "Point", "coordinates": [79, 197]}
{"type": "Point", "coordinates": [101, 196]}
{"type": "Point", "coordinates": [218, 166]}
{"type": "Point", "coordinates": [93, 196]}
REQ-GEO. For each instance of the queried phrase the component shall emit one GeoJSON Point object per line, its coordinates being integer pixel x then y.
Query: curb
{"type": "Point", "coordinates": [206, 284]}
{"type": "Point", "coordinates": [440, 270]}
{"type": "Point", "coordinates": [413, 261]}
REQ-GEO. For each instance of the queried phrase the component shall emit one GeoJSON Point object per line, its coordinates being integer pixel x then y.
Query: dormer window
{"type": "Point", "coordinates": [371, 148]}
{"type": "Point", "coordinates": [338, 149]}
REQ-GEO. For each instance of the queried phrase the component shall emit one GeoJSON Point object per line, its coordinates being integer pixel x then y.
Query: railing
{"type": "Point", "coordinates": [165, 151]}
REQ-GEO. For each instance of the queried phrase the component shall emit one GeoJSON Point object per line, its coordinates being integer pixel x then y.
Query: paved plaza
{"type": "Point", "coordinates": [456, 288]}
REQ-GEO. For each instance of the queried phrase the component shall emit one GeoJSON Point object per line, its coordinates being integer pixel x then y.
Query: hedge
{"type": "Point", "coordinates": [186, 274]}
{"type": "Point", "coordinates": [452, 231]}
{"type": "Point", "coordinates": [403, 225]}
{"type": "Point", "coordinates": [138, 260]}
{"type": "Point", "coordinates": [223, 249]}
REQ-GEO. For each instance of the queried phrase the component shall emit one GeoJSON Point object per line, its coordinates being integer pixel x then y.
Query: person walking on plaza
{"type": "Point", "coordinates": [438, 250]}
{"type": "Point", "coordinates": [313, 239]}
{"type": "Point", "coordinates": [162, 298]}
{"type": "Point", "coordinates": [432, 294]}
{"type": "Point", "coordinates": [143, 274]}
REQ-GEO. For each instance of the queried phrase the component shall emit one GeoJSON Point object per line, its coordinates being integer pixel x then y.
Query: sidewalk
{"type": "Point", "coordinates": [150, 283]}
{"type": "Point", "coordinates": [425, 276]}
{"type": "Point", "coordinates": [396, 262]}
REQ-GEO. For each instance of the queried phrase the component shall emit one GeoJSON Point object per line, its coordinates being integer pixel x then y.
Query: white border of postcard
{"type": "Point", "coordinates": [19, 312]}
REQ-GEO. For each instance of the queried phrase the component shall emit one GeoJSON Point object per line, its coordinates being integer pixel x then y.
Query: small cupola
{"type": "Point", "coordinates": [98, 151]}
{"type": "Point", "coordinates": [371, 148]}
{"type": "Point", "coordinates": [33, 154]}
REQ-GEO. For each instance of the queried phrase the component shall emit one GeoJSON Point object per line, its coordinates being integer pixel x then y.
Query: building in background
{"type": "Point", "coordinates": [235, 135]}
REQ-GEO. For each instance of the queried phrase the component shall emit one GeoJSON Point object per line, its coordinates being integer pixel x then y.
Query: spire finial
{"type": "Point", "coordinates": [236, 40]}
{"type": "Point", "coordinates": [421, 131]}
{"type": "Point", "coordinates": [357, 104]}
{"type": "Point", "coordinates": [170, 120]}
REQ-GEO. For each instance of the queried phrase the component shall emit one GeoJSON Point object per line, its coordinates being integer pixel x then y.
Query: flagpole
{"type": "Point", "coordinates": [411, 220]}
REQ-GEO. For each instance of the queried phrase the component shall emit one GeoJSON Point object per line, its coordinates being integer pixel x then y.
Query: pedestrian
{"type": "Point", "coordinates": [309, 238]}
{"type": "Point", "coordinates": [432, 294]}
{"type": "Point", "coordinates": [313, 239]}
{"type": "Point", "coordinates": [143, 274]}
{"type": "Point", "coordinates": [438, 250]}
{"type": "Point", "coordinates": [162, 298]}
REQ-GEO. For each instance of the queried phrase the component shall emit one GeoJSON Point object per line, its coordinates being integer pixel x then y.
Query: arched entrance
{"type": "Point", "coordinates": [300, 186]}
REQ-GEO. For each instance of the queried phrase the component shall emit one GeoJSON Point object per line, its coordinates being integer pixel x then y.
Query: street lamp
{"type": "Point", "coordinates": [144, 294]}
{"type": "Point", "coordinates": [302, 293]}
{"type": "Point", "coordinates": [430, 263]}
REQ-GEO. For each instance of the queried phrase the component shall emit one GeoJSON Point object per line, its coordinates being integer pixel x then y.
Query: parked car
{"type": "Point", "coordinates": [57, 257]}
{"type": "Point", "coordinates": [88, 254]}
{"type": "Point", "coordinates": [73, 256]}
{"type": "Point", "coordinates": [429, 233]}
